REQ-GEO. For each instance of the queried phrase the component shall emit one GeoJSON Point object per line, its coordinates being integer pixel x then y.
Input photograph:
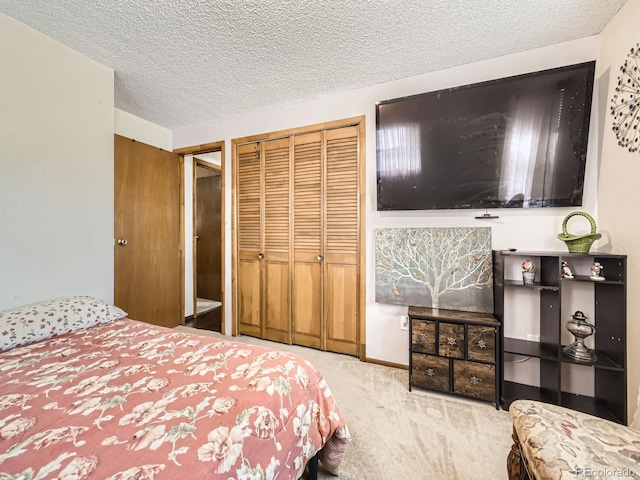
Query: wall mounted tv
{"type": "Point", "coordinates": [514, 142]}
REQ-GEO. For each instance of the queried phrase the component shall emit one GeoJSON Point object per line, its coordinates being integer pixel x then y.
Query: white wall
{"type": "Point", "coordinates": [136, 128]}
{"type": "Point", "coordinates": [618, 192]}
{"type": "Point", "coordinates": [56, 170]}
{"type": "Point", "coordinates": [533, 230]}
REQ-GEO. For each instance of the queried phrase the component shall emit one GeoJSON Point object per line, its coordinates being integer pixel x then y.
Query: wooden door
{"type": "Point", "coordinates": [297, 223]}
{"type": "Point", "coordinates": [276, 279]}
{"type": "Point", "coordinates": [249, 238]}
{"type": "Point", "coordinates": [209, 234]}
{"type": "Point", "coordinates": [148, 267]}
{"type": "Point", "coordinates": [308, 226]}
{"type": "Point", "coordinates": [342, 219]}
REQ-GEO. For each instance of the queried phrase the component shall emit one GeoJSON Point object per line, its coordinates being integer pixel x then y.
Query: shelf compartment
{"type": "Point", "coordinates": [611, 392]}
{"type": "Point", "coordinates": [603, 362]}
{"type": "Point", "coordinates": [534, 285]}
{"type": "Point", "coordinates": [519, 391]}
{"type": "Point", "coordinates": [588, 405]}
{"type": "Point", "coordinates": [586, 278]}
{"type": "Point", "coordinates": [529, 349]}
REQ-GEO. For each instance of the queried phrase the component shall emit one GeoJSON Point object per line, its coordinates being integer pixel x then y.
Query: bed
{"type": "Point", "coordinates": [86, 392]}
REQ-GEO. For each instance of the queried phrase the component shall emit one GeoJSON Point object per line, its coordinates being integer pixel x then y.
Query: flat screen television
{"type": "Point", "coordinates": [517, 142]}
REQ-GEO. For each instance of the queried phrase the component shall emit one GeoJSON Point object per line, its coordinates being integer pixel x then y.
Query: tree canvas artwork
{"type": "Point", "coordinates": [449, 268]}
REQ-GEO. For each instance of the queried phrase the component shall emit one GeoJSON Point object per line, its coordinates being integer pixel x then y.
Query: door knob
{"type": "Point", "coordinates": [122, 242]}
{"type": "Point", "coordinates": [261, 256]}
{"type": "Point", "coordinates": [320, 258]}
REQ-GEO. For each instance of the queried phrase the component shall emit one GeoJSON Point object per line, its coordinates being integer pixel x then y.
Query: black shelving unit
{"type": "Point", "coordinates": [609, 371]}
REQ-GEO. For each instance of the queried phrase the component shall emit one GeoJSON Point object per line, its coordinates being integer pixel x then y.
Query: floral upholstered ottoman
{"type": "Point", "coordinates": [552, 442]}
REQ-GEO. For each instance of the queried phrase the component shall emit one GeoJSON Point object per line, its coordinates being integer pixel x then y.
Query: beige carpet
{"type": "Point", "coordinates": [399, 434]}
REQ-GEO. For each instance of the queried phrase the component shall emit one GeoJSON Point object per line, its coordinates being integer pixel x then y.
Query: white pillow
{"type": "Point", "coordinates": [94, 311]}
{"type": "Point", "coordinates": [35, 322]}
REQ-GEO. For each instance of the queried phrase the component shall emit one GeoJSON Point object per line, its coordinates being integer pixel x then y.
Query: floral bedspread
{"type": "Point", "coordinates": [129, 400]}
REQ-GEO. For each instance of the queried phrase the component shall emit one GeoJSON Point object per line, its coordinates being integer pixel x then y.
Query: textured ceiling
{"type": "Point", "coordinates": [180, 63]}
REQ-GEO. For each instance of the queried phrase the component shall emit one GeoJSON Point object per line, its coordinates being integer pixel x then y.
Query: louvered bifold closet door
{"type": "Point", "coordinates": [307, 240]}
{"type": "Point", "coordinates": [341, 276]}
{"type": "Point", "coordinates": [276, 286]}
{"type": "Point", "coordinates": [249, 185]}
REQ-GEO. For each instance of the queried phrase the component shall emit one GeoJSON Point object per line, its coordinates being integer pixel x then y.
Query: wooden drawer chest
{"type": "Point", "coordinates": [455, 352]}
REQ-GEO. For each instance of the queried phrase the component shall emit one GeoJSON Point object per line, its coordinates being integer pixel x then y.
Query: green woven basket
{"type": "Point", "coordinates": [579, 243]}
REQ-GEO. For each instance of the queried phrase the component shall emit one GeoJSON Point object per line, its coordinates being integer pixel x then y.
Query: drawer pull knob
{"type": "Point", "coordinates": [431, 372]}
{"type": "Point", "coordinates": [474, 380]}
{"type": "Point", "coordinates": [481, 344]}
{"type": "Point", "coordinates": [451, 340]}
{"type": "Point", "coordinates": [424, 337]}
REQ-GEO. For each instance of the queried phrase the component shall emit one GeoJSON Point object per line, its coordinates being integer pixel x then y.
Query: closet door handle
{"type": "Point", "coordinates": [320, 258]}
{"type": "Point", "coordinates": [261, 256]}
{"type": "Point", "coordinates": [122, 242]}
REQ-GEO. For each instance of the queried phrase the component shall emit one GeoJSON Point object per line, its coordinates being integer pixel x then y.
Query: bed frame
{"type": "Point", "coordinates": [313, 467]}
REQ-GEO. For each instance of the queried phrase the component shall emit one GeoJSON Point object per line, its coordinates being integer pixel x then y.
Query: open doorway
{"type": "Point", "coordinates": [211, 156]}
{"type": "Point", "coordinates": [208, 234]}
